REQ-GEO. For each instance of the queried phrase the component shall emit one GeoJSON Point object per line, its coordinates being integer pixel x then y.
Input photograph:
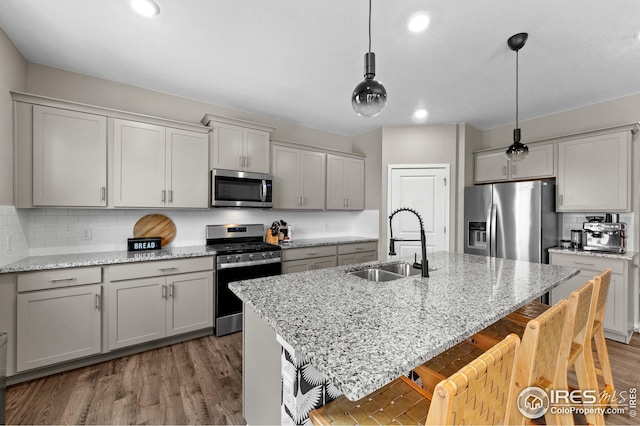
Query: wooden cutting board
{"type": "Point", "coordinates": [155, 225]}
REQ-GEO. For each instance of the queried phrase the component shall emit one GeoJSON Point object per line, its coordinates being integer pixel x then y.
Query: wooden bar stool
{"type": "Point", "coordinates": [538, 360]}
{"type": "Point", "coordinates": [537, 363]}
{"type": "Point", "coordinates": [477, 394]}
{"type": "Point", "coordinates": [602, 282]}
{"type": "Point", "coordinates": [575, 349]}
{"type": "Point", "coordinates": [601, 289]}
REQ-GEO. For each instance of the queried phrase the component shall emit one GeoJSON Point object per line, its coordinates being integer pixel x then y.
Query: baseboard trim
{"type": "Point", "coordinates": [95, 359]}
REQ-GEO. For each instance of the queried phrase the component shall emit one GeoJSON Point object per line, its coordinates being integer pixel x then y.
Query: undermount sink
{"type": "Point", "coordinates": [388, 272]}
{"type": "Point", "coordinates": [377, 275]}
{"type": "Point", "coordinates": [403, 269]}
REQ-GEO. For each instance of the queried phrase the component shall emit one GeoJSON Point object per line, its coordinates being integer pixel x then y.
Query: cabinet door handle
{"type": "Point", "coordinates": [171, 196]}
{"type": "Point", "coordinates": [584, 263]}
{"type": "Point", "coordinates": [514, 170]}
{"type": "Point", "coordinates": [311, 253]}
{"type": "Point", "coordinates": [97, 301]}
{"type": "Point", "coordinates": [103, 193]}
{"type": "Point", "coordinates": [301, 200]}
{"type": "Point", "coordinates": [347, 202]}
{"type": "Point", "coordinates": [171, 290]}
{"type": "Point", "coordinates": [164, 193]}
{"type": "Point", "coordinates": [504, 170]}
{"type": "Point", "coordinates": [164, 291]}
{"type": "Point", "coordinates": [359, 248]}
{"type": "Point", "coordinates": [561, 200]}
{"type": "Point", "coordinates": [168, 269]}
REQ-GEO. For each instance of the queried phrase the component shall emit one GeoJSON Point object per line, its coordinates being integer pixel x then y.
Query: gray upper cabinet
{"type": "Point", "coordinates": [155, 166]}
{"type": "Point", "coordinates": [345, 183]}
{"type": "Point", "coordinates": [494, 166]}
{"type": "Point", "coordinates": [299, 178]}
{"type": "Point", "coordinates": [75, 155]}
{"type": "Point", "coordinates": [69, 158]}
{"type": "Point", "coordinates": [238, 144]}
{"type": "Point", "coordinates": [594, 173]}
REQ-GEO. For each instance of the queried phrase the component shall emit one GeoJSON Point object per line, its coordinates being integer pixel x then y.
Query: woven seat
{"type": "Point", "coordinates": [446, 364]}
{"type": "Point", "coordinates": [528, 312]}
{"type": "Point", "coordinates": [477, 394]}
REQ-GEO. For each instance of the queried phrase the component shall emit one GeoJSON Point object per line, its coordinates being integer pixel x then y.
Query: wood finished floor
{"type": "Point", "coordinates": [195, 382]}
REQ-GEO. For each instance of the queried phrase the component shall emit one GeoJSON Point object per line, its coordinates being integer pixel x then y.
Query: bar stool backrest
{"type": "Point", "coordinates": [537, 360]}
{"type": "Point", "coordinates": [480, 392]}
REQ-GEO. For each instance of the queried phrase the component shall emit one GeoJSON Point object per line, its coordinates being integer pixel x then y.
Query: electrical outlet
{"type": "Point", "coordinates": [85, 234]}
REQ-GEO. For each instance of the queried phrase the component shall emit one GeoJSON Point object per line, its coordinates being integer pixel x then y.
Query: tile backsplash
{"type": "Point", "coordinates": [571, 221]}
{"type": "Point", "coordinates": [36, 232]}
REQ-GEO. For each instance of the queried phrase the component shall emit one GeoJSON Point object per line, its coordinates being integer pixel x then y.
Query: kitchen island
{"type": "Point", "coordinates": [361, 334]}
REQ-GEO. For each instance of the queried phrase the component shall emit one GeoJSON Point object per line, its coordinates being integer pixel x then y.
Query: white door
{"type": "Point", "coordinates": [424, 189]}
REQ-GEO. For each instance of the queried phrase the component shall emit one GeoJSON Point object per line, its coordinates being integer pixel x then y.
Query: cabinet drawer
{"type": "Point", "coordinates": [159, 268]}
{"type": "Point", "coordinates": [588, 263]}
{"type": "Point", "coordinates": [58, 278]}
{"type": "Point", "coordinates": [308, 252]}
{"type": "Point", "coordinates": [357, 247]}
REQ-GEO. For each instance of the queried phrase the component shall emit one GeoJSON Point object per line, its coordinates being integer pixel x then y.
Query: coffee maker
{"type": "Point", "coordinates": [605, 237]}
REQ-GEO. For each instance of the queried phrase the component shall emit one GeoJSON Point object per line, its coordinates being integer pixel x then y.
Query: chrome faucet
{"type": "Point", "coordinates": [424, 265]}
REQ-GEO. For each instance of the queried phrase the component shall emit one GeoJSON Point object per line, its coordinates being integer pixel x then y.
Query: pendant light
{"type": "Point", "coordinates": [517, 151]}
{"type": "Point", "coordinates": [370, 96]}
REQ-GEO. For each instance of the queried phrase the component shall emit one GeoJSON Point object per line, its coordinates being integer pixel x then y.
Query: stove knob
{"type": "Point", "coordinates": [271, 254]}
{"type": "Point", "coordinates": [264, 255]}
{"type": "Point", "coordinates": [228, 258]}
{"type": "Point", "coordinates": [238, 258]}
{"type": "Point", "coordinates": [250, 257]}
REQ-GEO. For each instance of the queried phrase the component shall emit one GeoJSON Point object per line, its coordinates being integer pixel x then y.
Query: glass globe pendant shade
{"type": "Point", "coordinates": [517, 151]}
{"type": "Point", "coordinates": [369, 97]}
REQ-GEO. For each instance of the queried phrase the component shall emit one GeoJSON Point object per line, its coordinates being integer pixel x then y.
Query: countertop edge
{"type": "Point", "coordinates": [629, 255]}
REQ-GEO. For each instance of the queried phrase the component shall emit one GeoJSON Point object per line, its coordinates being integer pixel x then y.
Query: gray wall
{"type": "Point", "coordinates": [13, 76]}
{"type": "Point", "coordinates": [56, 83]}
{"type": "Point", "coordinates": [419, 145]}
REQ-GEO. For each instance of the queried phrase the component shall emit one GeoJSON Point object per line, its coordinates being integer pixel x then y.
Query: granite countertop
{"type": "Point", "coordinates": [59, 261]}
{"type": "Point", "coordinates": [362, 334]}
{"type": "Point", "coordinates": [328, 241]}
{"type": "Point", "coordinates": [76, 260]}
{"type": "Point", "coordinates": [629, 255]}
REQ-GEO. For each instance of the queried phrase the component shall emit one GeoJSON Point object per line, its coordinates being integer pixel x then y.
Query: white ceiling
{"type": "Point", "coordinates": [299, 60]}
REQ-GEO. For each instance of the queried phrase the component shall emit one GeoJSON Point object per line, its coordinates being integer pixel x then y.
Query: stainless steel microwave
{"type": "Point", "coordinates": [232, 188]}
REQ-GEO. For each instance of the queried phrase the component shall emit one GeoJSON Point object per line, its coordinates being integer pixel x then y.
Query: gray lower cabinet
{"type": "Point", "coordinates": [59, 316]}
{"type": "Point", "coordinates": [150, 308]}
{"type": "Point", "coordinates": [308, 259]}
{"type": "Point", "coordinates": [618, 320]}
{"type": "Point", "coordinates": [349, 254]}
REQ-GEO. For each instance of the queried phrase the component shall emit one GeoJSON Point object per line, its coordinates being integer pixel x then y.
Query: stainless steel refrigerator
{"type": "Point", "coordinates": [514, 220]}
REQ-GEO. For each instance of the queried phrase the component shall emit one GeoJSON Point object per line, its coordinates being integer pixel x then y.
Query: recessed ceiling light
{"type": "Point", "coordinates": [418, 22]}
{"type": "Point", "coordinates": [420, 114]}
{"type": "Point", "coordinates": [145, 7]}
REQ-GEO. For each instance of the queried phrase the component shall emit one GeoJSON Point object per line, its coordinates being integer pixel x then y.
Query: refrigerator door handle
{"type": "Point", "coordinates": [493, 243]}
{"type": "Point", "coordinates": [489, 229]}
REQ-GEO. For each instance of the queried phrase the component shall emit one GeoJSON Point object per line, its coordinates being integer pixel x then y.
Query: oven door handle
{"type": "Point", "coordinates": [249, 263]}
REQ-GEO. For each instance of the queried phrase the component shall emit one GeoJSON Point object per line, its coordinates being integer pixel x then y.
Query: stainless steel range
{"type": "Point", "coordinates": [241, 254]}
